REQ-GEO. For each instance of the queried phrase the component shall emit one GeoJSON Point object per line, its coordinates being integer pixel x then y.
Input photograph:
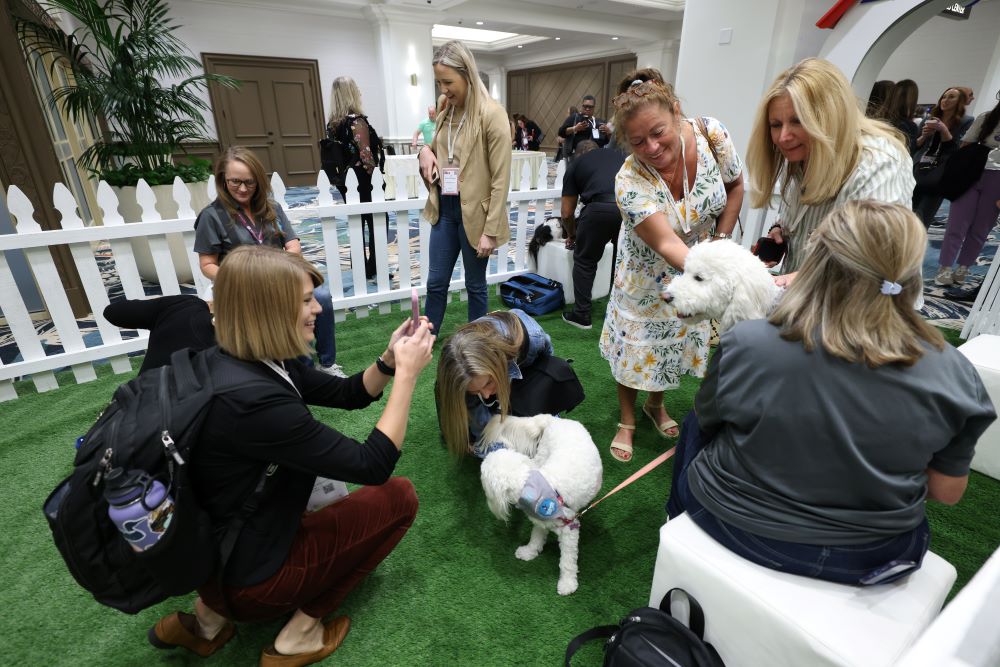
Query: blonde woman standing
{"type": "Point", "coordinates": [361, 155]}
{"type": "Point", "coordinates": [673, 192]}
{"type": "Point", "coordinates": [467, 171]}
{"type": "Point", "coordinates": [811, 140]}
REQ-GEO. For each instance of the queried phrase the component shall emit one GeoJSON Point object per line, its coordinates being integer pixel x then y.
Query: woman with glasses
{"type": "Point", "coordinates": [499, 364]}
{"type": "Point", "coordinates": [683, 183]}
{"type": "Point", "coordinates": [244, 213]}
{"type": "Point", "coordinates": [467, 171]}
{"type": "Point", "coordinates": [812, 142]}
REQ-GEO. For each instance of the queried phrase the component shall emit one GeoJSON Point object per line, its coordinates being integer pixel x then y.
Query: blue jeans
{"type": "Point", "coordinates": [876, 562]}
{"type": "Point", "coordinates": [326, 341]}
{"type": "Point", "coordinates": [447, 239]}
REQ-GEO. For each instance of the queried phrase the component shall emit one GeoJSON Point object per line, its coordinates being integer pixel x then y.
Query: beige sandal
{"type": "Point", "coordinates": [622, 446]}
{"type": "Point", "coordinates": [667, 429]}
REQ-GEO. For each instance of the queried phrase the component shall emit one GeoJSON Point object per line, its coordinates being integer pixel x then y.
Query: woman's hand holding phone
{"type": "Point", "coordinates": [428, 165]}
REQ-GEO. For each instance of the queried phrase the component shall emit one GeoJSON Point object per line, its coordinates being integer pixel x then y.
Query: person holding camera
{"type": "Point", "coordinates": [287, 563]}
{"type": "Point", "coordinates": [583, 125]}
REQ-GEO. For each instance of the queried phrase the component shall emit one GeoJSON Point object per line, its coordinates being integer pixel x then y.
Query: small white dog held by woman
{"type": "Point", "coordinates": [551, 469]}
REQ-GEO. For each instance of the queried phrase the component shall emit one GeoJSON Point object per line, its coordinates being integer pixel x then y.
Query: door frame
{"type": "Point", "coordinates": [211, 61]}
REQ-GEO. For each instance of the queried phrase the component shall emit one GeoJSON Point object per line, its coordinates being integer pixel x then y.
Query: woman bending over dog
{"type": "Point", "coordinates": [818, 433]}
{"type": "Point", "coordinates": [499, 364]}
{"type": "Point", "coordinates": [286, 561]}
{"type": "Point", "coordinates": [683, 183]}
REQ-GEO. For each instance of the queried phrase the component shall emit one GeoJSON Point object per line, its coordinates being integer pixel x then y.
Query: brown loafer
{"type": "Point", "coordinates": [333, 634]}
{"type": "Point", "coordinates": [180, 629]}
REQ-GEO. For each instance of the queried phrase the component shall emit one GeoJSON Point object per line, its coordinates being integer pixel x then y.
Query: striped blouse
{"type": "Point", "coordinates": [884, 173]}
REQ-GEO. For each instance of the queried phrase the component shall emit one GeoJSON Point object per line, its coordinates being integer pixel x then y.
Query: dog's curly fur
{"type": "Point", "coordinates": [563, 451]}
{"type": "Point", "coordinates": [722, 281]}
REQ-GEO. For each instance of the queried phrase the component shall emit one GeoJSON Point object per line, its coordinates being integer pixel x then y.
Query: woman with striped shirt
{"type": "Point", "coordinates": [811, 137]}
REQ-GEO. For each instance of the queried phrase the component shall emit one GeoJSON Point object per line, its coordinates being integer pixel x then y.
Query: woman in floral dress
{"type": "Point", "coordinates": [682, 184]}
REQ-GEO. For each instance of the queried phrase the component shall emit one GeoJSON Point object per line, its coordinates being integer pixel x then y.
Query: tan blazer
{"type": "Point", "coordinates": [483, 177]}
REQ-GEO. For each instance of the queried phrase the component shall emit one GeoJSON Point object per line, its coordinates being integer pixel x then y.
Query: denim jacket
{"type": "Point", "coordinates": [539, 345]}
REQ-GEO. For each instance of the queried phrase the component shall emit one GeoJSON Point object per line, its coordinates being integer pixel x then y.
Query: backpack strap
{"type": "Point", "coordinates": [696, 617]}
{"type": "Point", "coordinates": [586, 636]}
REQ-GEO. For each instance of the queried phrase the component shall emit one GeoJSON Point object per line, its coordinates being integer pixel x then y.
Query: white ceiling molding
{"type": "Point", "coordinates": [498, 45]}
{"type": "Point", "coordinates": [667, 5]}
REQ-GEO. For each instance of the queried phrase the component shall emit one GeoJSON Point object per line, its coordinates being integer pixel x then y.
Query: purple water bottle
{"type": "Point", "coordinates": [139, 505]}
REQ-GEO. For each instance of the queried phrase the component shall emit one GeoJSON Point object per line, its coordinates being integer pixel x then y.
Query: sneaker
{"type": "Point", "coordinates": [571, 318]}
{"type": "Point", "coordinates": [335, 370]}
{"type": "Point", "coordinates": [944, 276]}
{"type": "Point", "coordinates": [958, 277]}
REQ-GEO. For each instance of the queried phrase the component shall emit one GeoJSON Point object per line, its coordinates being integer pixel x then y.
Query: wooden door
{"type": "Point", "coordinates": [277, 112]}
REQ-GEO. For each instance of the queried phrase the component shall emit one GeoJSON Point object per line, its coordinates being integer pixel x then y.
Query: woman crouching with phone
{"type": "Point", "coordinates": [286, 561]}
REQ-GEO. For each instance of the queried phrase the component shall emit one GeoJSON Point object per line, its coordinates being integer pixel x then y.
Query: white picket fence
{"type": "Point", "coordinates": [82, 240]}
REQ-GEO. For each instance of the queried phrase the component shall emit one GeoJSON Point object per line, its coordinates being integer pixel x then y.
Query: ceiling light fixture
{"type": "Point", "coordinates": [520, 46]}
{"type": "Point", "coordinates": [558, 38]}
{"type": "Point", "coordinates": [479, 22]}
{"type": "Point", "coordinates": [613, 38]}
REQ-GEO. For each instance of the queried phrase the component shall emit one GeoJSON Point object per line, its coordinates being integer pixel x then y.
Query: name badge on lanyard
{"type": "Point", "coordinates": [594, 132]}
{"type": "Point", "coordinates": [449, 181]}
{"type": "Point", "coordinates": [449, 175]}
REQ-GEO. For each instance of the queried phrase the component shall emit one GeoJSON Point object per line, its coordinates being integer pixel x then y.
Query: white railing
{"type": "Point", "coordinates": [82, 240]}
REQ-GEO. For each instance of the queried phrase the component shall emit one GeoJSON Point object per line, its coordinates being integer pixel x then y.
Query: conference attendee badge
{"type": "Point", "coordinates": [449, 181]}
{"type": "Point", "coordinates": [595, 133]}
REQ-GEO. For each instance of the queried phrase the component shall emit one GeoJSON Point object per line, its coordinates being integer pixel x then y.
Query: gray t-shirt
{"type": "Point", "coordinates": [808, 448]}
{"type": "Point", "coordinates": [216, 233]}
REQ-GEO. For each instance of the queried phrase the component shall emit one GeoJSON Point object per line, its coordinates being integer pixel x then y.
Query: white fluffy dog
{"type": "Point", "coordinates": [564, 453]}
{"type": "Point", "coordinates": [722, 281]}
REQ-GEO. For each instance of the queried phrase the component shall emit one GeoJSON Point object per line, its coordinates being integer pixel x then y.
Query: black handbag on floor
{"type": "Point", "coordinates": [650, 637]}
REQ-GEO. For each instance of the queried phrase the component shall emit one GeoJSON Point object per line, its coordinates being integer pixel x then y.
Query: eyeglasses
{"type": "Point", "coordinates": [235, 183]}
{"type": "Point", "coordinates": [587, 106]}
{"type": "Point", "coordinates": [637, 89]}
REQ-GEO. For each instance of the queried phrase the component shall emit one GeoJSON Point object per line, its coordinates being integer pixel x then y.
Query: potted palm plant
{"type": "Point", "coordinates": [130, 72]}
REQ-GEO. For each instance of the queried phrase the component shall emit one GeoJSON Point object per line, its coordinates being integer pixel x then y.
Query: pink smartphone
{"type": "Point", "coordinates": [414, 310]}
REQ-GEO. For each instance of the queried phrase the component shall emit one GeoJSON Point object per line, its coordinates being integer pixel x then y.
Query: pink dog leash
{"type": "Point", "coordinates": [633, 477]}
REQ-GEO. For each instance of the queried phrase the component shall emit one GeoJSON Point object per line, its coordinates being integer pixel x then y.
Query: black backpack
{"type": "Point", "coordinates": [650, 637]}
{"type": "Point", "coordinates": [338, 151]}
{"type": "Point", "coordinates": [152, 424]}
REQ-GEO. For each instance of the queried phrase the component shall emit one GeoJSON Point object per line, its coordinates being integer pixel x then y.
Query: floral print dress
{"type": "Point", "coordinates": [646, 344]}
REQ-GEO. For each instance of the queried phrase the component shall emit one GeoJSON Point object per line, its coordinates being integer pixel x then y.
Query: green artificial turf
{"type": "Point", "coordinates": [452, 593]}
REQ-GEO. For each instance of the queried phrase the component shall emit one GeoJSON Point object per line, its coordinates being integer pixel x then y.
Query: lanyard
{"type": "Point", "coordinates": [257, 236]}
{"type": "Point", "coordinates": [673, 202]}
{"type": "Point", "coordinates": [451, 144]}
{"type": "Point", "coordinates": [280, 370]}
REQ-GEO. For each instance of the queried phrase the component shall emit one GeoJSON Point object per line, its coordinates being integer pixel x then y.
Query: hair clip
{"type": "Point", "coordinates": [890, 288]}
{"type": "Point", "coordinates": [637, 82]}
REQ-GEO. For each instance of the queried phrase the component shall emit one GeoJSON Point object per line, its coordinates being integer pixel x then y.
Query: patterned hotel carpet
{"type": "Point", "coordinates": [947, 307]}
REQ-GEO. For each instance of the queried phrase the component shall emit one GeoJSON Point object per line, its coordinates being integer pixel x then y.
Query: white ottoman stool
{"type": "Point", "coordinates": [555, 262]}
{"type": "Point", "coordinates": [755, 616]}
{"type": "Point", "coordinates": [984, 353]}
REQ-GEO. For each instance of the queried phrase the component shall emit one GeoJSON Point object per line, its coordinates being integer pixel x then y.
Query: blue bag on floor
{"type": "Point", "coordinates": [532, 293]}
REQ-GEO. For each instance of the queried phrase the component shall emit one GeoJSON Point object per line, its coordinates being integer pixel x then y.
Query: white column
{"type": "Point", "coordinates": [661, 54]}
{"type": "Point", "coordinates": [404, 54]}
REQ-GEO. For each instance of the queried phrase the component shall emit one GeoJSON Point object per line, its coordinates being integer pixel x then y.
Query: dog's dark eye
{"type": "Point", "coordinates": [698, 277]}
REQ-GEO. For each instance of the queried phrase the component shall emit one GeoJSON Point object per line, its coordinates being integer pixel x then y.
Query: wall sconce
{"type": "Point", "coordinates": [413, 79]}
